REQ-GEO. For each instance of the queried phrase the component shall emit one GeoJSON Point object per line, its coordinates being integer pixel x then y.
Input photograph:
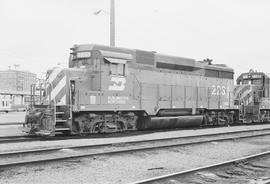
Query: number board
{"type": "Point", "coordinates": [249, 76]}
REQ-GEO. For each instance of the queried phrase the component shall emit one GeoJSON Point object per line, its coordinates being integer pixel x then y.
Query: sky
{"type": "Point", "coordinates": [37, 34]}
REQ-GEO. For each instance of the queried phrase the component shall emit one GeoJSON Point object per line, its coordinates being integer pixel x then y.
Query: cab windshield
{"type": "Point", "coordinates": [83, 60]}
{"type": "Point", "coordinates": [253, 81]}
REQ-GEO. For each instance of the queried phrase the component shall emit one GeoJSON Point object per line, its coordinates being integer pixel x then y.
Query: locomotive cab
{"type": "Point", "coordinates": [86, 97]}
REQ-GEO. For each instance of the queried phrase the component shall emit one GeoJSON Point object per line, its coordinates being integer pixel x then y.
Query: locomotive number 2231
{"type": "Point", "coordinates": [218, 90]}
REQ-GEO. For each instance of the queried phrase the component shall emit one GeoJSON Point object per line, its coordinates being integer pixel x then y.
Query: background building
{"type": "Point", "coordinates": [15, 87]}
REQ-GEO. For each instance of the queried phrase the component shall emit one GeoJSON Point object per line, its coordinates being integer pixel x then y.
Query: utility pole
{"type": "Point", "coordinates": [112, 25]}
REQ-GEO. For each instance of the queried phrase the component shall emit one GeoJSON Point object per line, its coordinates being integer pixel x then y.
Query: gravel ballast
{"type": "Point", "coordinates": [125, 168]}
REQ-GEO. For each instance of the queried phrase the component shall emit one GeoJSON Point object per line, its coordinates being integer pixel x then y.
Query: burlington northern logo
{"type": "Point", "coordinates": [118, 83]}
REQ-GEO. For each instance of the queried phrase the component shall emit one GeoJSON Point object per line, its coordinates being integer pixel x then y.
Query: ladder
{"type": "Point", "coordinates": [60, 119]}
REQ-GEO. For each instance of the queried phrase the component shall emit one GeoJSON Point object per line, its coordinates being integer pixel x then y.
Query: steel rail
{"type": "Point", "coordinates": [163, 178]}
{"type": "Point", "coordinates": [15, 139]}
{"type": "Point", "coordinates": [119, 145]}
{"type": "Point", "coordinates": [11, 123]}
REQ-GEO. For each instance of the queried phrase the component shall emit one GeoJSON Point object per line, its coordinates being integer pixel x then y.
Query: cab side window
{"type": "Point", "coordinates": [113, 69]}
{"type": "Point", "coordinates": [117, 69]}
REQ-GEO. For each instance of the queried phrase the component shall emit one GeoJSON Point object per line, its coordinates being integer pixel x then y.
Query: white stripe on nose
{"type": "Point", "coordinates": [62, 101]}
{"type": "Point", "coordinates": [54, 74]}
{"type": "Point", "coordinates": [58, 87]}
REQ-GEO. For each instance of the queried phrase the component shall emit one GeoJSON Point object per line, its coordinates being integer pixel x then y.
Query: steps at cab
{"type": "Point", "coordinates": [61, 119]}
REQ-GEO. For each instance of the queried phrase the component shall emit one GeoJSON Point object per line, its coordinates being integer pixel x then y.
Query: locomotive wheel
{"type": "Point", "coordinates": [98, 128]}
{"type": "Point", "coordinates": [102, 127]}
{"type": "Point", "coordinates": [120, 126]}
{"type": "Point", "coordinates": [33, 131]}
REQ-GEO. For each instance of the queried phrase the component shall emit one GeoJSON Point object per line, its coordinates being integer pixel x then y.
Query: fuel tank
{"type": "Point", "coordinates": [154, 123]}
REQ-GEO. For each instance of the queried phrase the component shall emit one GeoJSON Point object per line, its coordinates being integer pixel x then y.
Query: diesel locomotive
{"type": "Point", "coordinates": [252, 97]}
{"type": "Point", "coordinates": [112, 89]}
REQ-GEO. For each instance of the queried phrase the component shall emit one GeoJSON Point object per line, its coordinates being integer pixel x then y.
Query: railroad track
{"type": "Point", "coordinates": [178, 176]}
{"type": "Point", "coordinates": [15, 139]}
{"type": "Point", "coordinates": [11, 123]}
{"type": "Point", "coordinates": [14, 158]}
{"type": "Point", "coordinates": [29, 138]}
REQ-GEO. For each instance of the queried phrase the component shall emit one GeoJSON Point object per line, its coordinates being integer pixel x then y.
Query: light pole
{"type": "Point", "coordinates": [112, 22]}
{"type": "Point", "coordinates": [16, 66]}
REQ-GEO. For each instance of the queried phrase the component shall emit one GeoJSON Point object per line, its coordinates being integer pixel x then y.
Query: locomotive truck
{"type": "Point", "coordinates": [112, 89]}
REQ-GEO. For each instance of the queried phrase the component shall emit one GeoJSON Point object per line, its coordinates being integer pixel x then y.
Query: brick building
{"type": "Point", "coordinates": [15, 86]}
